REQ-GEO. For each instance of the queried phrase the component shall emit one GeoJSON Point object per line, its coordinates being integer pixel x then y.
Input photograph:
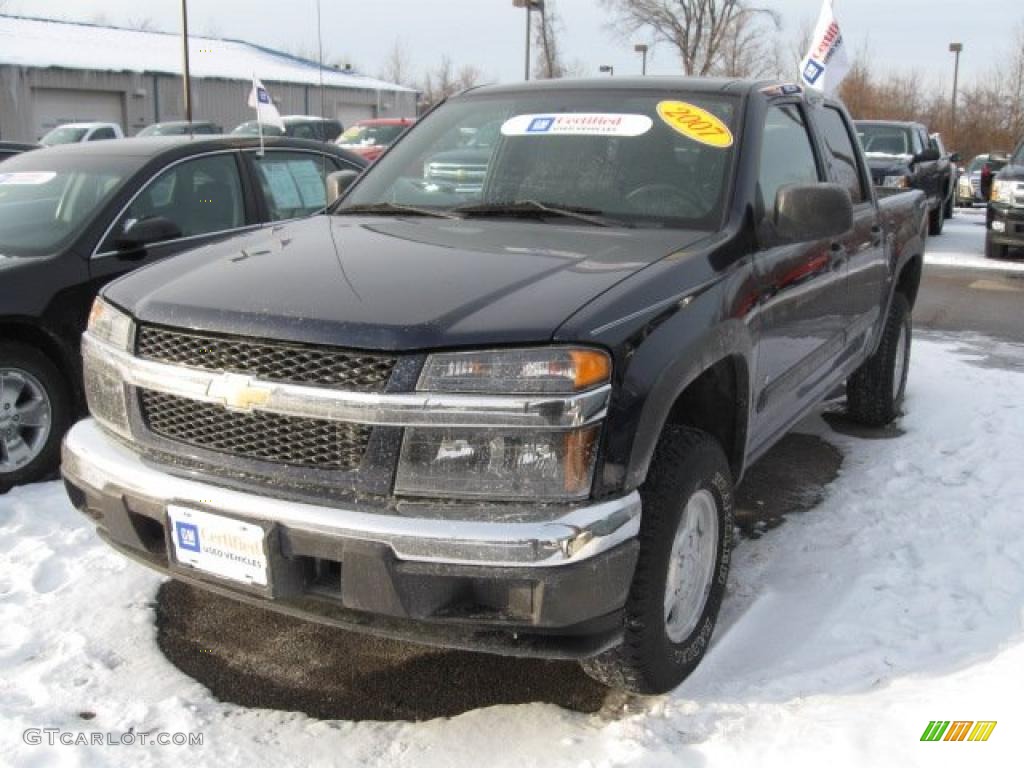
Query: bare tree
{"type": "Point", "coordinates": [142, 24]}
{"type": "Point", "coordinates": [396, 66]}
{"type": "Point", "coordinates": [710, 36]}
{"type": "Point", "coordinates": [443, 81]}
{"type": "Point", "coordinates": [548, 64]}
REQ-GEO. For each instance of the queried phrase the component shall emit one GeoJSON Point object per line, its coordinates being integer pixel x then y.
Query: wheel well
{"type": "Point", "coordinates": [909, 280]}
{"type": "Point", "coordinates": [716, 402]}
{"type": "Point", "coordinates": [33, 336]}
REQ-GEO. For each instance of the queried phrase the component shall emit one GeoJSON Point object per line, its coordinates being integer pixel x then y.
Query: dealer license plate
{"type": "Point", "coordinates": [218, 545]}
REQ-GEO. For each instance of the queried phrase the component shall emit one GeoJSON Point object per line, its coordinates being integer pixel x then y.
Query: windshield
{"type": "Point", "coordinates": [63, 135]}
{"type": "Point", "coordinates": [885, 139]}
{"type": "Point", "coordinates": [45, 202]}
{"type": "Point", "coordinates": [640, 158]}
{"type": "Point", "coordinates": [252, 128]}
{"type": "Point", "coordinates": [370, 135]}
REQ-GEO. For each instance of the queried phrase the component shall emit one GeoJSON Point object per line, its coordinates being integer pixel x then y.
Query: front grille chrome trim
{"type": "Point", "coordinates": [414, 409]}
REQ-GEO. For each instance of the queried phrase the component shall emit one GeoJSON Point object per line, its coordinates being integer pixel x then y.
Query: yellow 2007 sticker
{"type": "Point", "coordinates": [695, 123]}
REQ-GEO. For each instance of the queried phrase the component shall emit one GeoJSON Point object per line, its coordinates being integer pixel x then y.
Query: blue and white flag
{"type": "Point", "coordinates": [266, 112]}
{"type": "Point", "coordinates": [826, 63]}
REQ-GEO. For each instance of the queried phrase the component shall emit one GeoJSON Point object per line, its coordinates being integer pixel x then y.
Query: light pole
{"type": "Point", "coordinates": [956, 49]}
{"type": "Point", "coordinates": [607, 68]}
{"type": "Point", "coordinates": [529, 5]}
{"type": "Point", "coordinates": [642, 48]}
{"type": "Point", "coordinates": [184, 49]}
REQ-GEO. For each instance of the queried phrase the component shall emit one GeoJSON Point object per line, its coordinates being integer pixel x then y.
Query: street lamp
{"type": "Point", "coordinates": [187, 78]}
{"type": "Point", "coordinates": [642, 48]}
{"type": "Point", "coordinates": [529, 5]}
{"type": "Point", "coordinates": [607, 68]}
{"type": "Point", "coordinates": [956, 49]}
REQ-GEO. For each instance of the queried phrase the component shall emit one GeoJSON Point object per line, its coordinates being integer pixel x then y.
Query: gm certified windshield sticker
{"type": "Point", "coordinates": [577, 124]}
{"type": "Point", "coordinates": [695, 123]}
{"type": "Point", "coordinates": [27, 177]}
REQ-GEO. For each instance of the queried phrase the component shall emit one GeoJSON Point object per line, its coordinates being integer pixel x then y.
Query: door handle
{"type": "Point", "coordinates": [837, 255]}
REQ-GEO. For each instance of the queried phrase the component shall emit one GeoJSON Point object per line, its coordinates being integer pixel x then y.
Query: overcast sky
{"type": "Point", "coordinates": [900, 34]}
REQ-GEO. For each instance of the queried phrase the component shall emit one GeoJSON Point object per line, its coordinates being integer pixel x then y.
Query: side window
{"type": "Point", "coordinates": [293, 183]}
{"type": "Point", "coordinates": [787, 155]}
{"type": "Point", "coordinates": [918, 144]}
{"type": "Point", "coordinates": [102, 133]}
{"type": "Point", "coordinates": [201, 196]}
{"type": "Point", "coordinates": [840, 146]}
{"type": "Point", "coordinates": [303, 131]}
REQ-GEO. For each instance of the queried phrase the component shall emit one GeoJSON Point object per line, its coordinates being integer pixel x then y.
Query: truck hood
{"type": "Point", "coordinates": [385, 283]}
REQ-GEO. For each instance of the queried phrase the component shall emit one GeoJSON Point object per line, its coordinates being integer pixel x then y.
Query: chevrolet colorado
{"type": "Point", "coordinates": [508, 418]}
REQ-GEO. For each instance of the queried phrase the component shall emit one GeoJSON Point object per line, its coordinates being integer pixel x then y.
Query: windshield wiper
{"type": "Point", "coordinates": [538, 208]}
{"type": "Point", "coordinates": [396, 208]}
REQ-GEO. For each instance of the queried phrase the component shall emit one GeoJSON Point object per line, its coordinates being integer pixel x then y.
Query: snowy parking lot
{"type": "Point", "coordinates": [895, 600]}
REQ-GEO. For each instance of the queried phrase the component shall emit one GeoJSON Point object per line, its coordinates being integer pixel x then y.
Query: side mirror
{"type": "Point", "coordinates": [338, 182]}
{"type": "Point", "coordinates": [145, 232]}
{"type": "Point", "coordinates": [929, 155]}
{"type": "Point", "coordinates": [955, 157]}
{"type": "Point", "coordinates": [808, 212]}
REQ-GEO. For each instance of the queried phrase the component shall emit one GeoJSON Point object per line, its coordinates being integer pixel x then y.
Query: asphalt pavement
{"type": "Point", "coordinates": [261, 659]}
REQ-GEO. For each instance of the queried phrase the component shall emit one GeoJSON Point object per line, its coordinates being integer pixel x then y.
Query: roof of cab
{"type": "Point", "coordinates": [649, 83]}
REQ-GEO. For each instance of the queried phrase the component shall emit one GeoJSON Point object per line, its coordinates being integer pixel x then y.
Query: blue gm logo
{"type": "Point", "coordinates": [188, 536]}
{"type": "Point", "coordinates": [813, 71]}
{"type": "Point", "coordinates": [540, 125]}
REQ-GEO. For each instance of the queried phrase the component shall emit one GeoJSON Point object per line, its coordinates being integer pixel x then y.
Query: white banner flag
{"type": "Point", "coordinates": [266, 112]}
{"type": "Point", "coordinates": [826, 63]}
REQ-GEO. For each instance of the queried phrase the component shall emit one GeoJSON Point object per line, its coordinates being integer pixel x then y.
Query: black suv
{"type": "Point", "coordinates": [1005, 219]}
{"type": "Point", "coordinates": [904, 156]}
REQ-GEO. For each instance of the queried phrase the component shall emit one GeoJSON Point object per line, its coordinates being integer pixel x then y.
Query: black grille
{"type": "Point", "coordinates": [264, 436]}
{"type": "Point", "coordinates": [273, 361]}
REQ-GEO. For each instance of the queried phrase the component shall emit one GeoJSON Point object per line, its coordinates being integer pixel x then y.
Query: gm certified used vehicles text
{"type": "Point", "coordinates": [1005, 216]}
{"type": "Point", "coordinates": [74, 217]}
{"type": "Point", "coordinates": [508, 419]}
{"type": "Point", "coordinates": [903, 156]}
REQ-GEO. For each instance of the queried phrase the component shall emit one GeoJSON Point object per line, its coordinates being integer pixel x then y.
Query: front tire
{"type": "Point", "coordinates": [35, 411]}
{"type": "Point", "coordinates": [949, 209]}
{"type": "Point", "coordinates": [936, 221]}
{"type": "Point", "coordinates": [874, 393]}
{"type": "Point", "coordinates": [681, 573]}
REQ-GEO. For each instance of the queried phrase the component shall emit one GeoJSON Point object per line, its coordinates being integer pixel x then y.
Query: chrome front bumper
{"type": "Point", "coordinates": [493, 535]}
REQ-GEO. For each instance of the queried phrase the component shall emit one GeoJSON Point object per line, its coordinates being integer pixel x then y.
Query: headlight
{"type": "Point", "coordinates": [897, 182]}
{"type": "Point", "coordinates": [505, 463]}
{"type": "Point", "coordinates": [552, 370]}
{"type": "Point", "coordinates": [1002, 191]}
{"type": "Point", "coordinates": [497, 464]}
{"type": "Point", "coordinates": [104, 387]}
{"type": "Point", "coordinates": [110, 325]}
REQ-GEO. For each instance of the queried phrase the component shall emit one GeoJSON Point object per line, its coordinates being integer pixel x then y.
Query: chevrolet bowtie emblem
{"type": "Point", "coordinates": [237, 392]}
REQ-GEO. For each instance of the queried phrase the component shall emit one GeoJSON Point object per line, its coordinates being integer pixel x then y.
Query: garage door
{"type": "Point", "coordinates": [54, 106]}
{"type": "Point", "coordinates": [353, 113]}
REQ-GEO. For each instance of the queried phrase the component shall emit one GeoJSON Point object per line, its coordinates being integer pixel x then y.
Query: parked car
{"type": "Point", "coordinates": [463, 168]}
{"type": "Point", "coordinates": [76, 216]}
{"type": "Point", "coordinates": [509, 419]}
{"type": "Point", "coordinates": [74, 133]}
{"type": "Point", "coordinates": [1005, 214]}
{"type": "Point", "coordinates": [297, 126]}
{"type": "Point", "coordinates": [369, 138]}
{"type": "Point", "coordinates": [976, 186]}
{"type": "Point", "coordinates": [181, 128]}
{"type": "Point", "coordinates": [902, 156]}
{"type": "Point", "coordinates": [11, 148]}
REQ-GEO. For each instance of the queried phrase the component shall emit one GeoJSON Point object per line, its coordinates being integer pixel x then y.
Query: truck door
{"type": "Point", "coordinates": [864, 247]}
{"type": "Point", "coordinates": [803, 297]}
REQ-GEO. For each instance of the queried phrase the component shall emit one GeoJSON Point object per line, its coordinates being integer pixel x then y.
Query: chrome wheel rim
{"type": "Point", "coordinates": [25, 419]}
{"type": "Point", "coordinates": [691, 566]}
{"type": "Point", "coordinates": [900, 368]}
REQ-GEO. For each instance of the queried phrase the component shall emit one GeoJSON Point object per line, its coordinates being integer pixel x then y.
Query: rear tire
{"type": "Point", "coordinates": [948, 211]}
{"type": "Point", "coordinates": [936, 221]}
{"type": "Point", "coordinates": [685, 542]}
{"type": "Point", "coordinates": [35, 411]}
{"type": "Point", "coordinates": [995, 250]}
{"type": "Point", "coordinates": [874, 393]}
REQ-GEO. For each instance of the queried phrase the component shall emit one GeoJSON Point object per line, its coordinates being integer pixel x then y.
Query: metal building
{"type": "Point", "coordinates": [55, 72]}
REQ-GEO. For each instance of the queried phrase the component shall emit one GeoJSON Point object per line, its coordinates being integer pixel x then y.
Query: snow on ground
{"type": "Point", "coordinates": [896, 601]}
{"type": "Point", "coordinates": [962, 244]}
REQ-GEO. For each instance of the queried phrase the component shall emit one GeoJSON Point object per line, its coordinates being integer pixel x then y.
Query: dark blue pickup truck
{"type": "Point", "coordinates": [507, 415]}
